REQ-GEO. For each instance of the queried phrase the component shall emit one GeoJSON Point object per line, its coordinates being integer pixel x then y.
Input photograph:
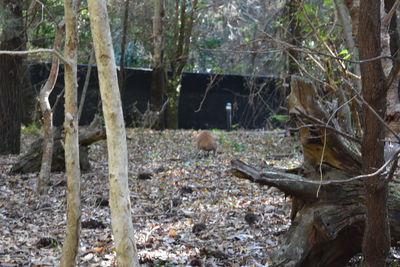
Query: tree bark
{"type": "Point", "coordinates": [330, 206]}
{"type": "Point", "coordinates": [122, 78]}
{"type": "Point", "coordinates": [327, 231]}
{"type": "Point", "coordinates": [71, 243]}
{"type": "Point", "coordinates": [346, 21]}
{"type": "Point", "coordinates": [116, 137]}
{"type": "Point", "coordinates": [31, 161]}
{"type": "Point", "coordinates": [85, 85]}
{"type": "Point", "coordinates": [10, 77]}
{"type": "Point", "coordinates": [183, 26]}
{"type": "Point", "coordinates": [292, 7]}
{"type": "Point", "coordinates": [392, 46]}
{"type": "Point", "coordinates": [375, 246]}
{"type": "Point", "coordinates": [158, 81]}
{"type": "Point", "coordinates": [48, 138]}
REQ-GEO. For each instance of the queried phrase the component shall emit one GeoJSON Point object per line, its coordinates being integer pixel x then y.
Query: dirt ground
{"type": "Point", "coordinates": [187, 208]}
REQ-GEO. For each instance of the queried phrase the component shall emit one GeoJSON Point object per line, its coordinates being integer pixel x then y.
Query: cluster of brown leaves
{"type": "Point", "coordinates": [187, 208]}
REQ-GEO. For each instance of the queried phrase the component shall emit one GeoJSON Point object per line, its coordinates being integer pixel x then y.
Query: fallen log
{"type": "Point", "coordinates": [328, 211]}
{"type": "Point", "coordinates": [31, 161]}
{"type": "Point", "coordinates": [326, 230]}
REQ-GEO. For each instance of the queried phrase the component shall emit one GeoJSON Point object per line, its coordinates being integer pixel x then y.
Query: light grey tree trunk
{"type": "Point", "coordinates": [70, 247]}
{"type": "Point", "coordinates": [346, 21]}
{"type": "Point", "coordinates": [45, 107]}
{"type": "Point", "coordinates": [116, 138]}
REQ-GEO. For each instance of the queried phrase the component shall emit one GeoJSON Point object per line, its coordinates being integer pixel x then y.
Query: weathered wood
{"type": "Point", "coordinates": [328, 229]}
{"type": "Point", "coordinates": [305, 109]}
{"type": "Point", "coordinates": [328, 218]}
{"type": "Point", "coordinates": [31, 161]}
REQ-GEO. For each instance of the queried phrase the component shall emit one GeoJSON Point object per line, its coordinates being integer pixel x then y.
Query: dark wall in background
{"type": "Point", "coordinates": [266, 97]}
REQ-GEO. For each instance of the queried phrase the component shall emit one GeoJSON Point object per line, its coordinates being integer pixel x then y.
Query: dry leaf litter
{"type": "Point", "coordinates": [187, 208]}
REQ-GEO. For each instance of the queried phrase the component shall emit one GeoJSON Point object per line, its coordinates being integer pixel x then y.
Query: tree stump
{"type": "Point", "coordinates": [31, 161]}
{"type": "Point", "coordinates": [328, 211]}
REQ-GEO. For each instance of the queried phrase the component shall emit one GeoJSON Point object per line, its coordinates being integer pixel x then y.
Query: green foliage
{"type": "Point", "coordinates": [221, 138]}
{"type": "Point", "coordinates": [35, 127]}
{"type": "Point", "coordinates": [234, 144]}
{"type": "Point", "coordinates": [44, 22]}
{"type": "Point", "coordinates": [132, 56]}
{"type": "Point", "coordinates": [281, 118]}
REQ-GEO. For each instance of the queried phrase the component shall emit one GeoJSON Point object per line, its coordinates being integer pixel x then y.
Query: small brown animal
{"type": "Point", "coordinates": [206, 141]}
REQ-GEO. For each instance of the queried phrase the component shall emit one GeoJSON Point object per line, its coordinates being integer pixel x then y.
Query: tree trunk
{"type": "Point", "coordinates": [158, 81]}
{"type": "Point", "coordinates": [329, 205]}
{"type": "Point", "coordinates": [122, 78]}
{"type": "Point", "coordinates": [48, 139]}
{"type": "Point", "coordinates": [375, 246]}
{"type": "Point", "coordinates": [173, 103]}
{"type": "Point", "coordinates": [71, 243]}
{"type": "Point", "coordinates": [346, 21]}
{"type": "Point", "coordinates": [86, 84]}
{"type": "Point", "coordinates": [31, 161]}
{"type": "Point", "coordinates": [10, 77]}
{"type": "Point", "coordinates": [326, 231]}
{"type": "Point", "coordinates": [183, 26]}
{"type": "Point", "coordinates": [292, 7]}
{"type": "Point", "coordinates": [392, 47]}
{"type": "Point", "coordinates": [116, 137]}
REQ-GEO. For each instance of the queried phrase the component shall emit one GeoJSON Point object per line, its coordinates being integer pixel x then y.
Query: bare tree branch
{"type": "Point", "coordinates": [36, 51]}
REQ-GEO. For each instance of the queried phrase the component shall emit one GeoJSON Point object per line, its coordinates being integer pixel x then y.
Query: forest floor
{"type": "Point", "coordinates": [187, 209]}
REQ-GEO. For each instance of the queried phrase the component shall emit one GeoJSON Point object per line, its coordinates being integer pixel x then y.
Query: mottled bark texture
{"type": "Point", "coordinates": [159, 73]}
{"type": "Point", "coordinates": [376, 240]}
{"type": "Point", "coordinates": [121, 220]}
{"type": "Point", "coordinates": [71, 242]}
{"type": "Point", "coordinates": [11, 82]}
{"type": "Point", "coordinates": [48, 138]}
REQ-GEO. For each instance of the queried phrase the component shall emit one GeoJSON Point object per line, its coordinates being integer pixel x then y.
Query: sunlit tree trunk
{"type": "Point", "coordinates": [376, 241]}
{"type": "Point", "coordinates": [116, 138]}
{"type": "Point", "coordinates": [70, 247]}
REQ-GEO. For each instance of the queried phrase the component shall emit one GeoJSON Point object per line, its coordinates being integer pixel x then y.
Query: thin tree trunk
{"type": "Point", "coordinates": [48, 140]}
{"type": "Point", "coordinates": [116, 137]}
{"type": "Point", "coordinates": [376, 241]}
{"type": "Point", "coordinates": [345, 20]}
{"type": "Point", "coordinates": [122, 74]}
{"type": "Point", "coordinates": [392, 40]}
{"type": "Point", "coordinates": [70, 247]}
{"type": "Point", "coordinates": [158, 81]}
{"type": "Point", "coordinates": [183, 26]}
{"type": "Point", "coordinates": [86, 84]}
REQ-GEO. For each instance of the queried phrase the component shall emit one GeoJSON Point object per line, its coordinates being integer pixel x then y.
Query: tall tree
{"type": "Point", "coordinates": [11, 38]}
{"type": "Point", "coordinates": [71, 146]}
{"type": "Point", "coordinates": [183, 19]}
{"type": "Point", "coordinates": [159, 73]}
{"type": "Point", "coordinates": [122, 76]}
{"type": "Point", "coordinates": [376, 241]}
{"type": "Point", "coordinates": [116, 137]}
